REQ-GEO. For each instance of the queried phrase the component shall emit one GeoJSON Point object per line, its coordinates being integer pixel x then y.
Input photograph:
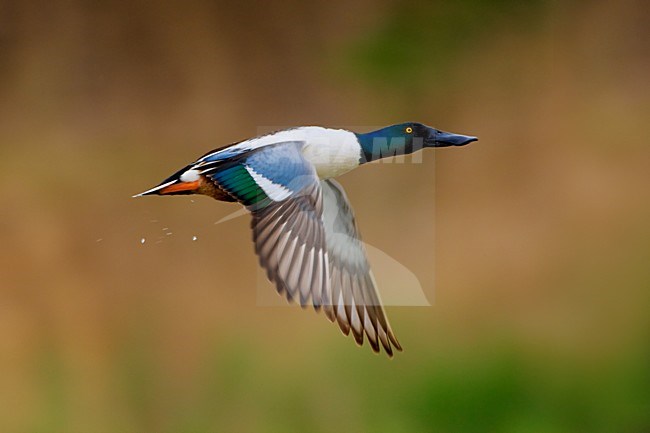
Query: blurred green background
{"type": "Point", "coordinates": [540, 320]}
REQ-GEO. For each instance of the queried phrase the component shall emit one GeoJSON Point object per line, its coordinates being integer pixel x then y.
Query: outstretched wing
{"type": "Point", "coordinates": [356, 302]}
{"type": "Point", "coordinates": [306, 238]}
{"type": "Point", "coordinates": [282, 191]}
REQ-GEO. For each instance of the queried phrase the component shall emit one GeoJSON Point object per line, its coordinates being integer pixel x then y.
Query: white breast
{"type": "Point", "coordinates": [332, 151]}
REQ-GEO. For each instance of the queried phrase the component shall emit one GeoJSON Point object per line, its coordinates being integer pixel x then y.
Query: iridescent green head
{"type": "Point", "coordinates": [405, 138]}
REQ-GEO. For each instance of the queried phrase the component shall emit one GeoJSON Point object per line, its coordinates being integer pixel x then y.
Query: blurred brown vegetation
{"type": "Point", "coordinates": [542, 242]}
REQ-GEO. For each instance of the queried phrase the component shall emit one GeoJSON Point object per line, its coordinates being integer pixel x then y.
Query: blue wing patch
{"type": "Point", "coordinates": [269, 174]}
{"type": "Point", "coordinates": [283, 165]}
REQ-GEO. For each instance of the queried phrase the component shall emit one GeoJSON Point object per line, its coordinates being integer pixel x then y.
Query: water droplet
{"type": "Point", "coordinates": [194, 238]}
{"type": "Point", "coordinates": [142, 240]}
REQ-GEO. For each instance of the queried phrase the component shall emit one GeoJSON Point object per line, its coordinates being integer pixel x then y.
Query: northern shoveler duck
{"type": "Point", "coordinates": [303, 226]}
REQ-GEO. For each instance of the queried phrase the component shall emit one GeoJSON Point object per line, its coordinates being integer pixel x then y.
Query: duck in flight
{"type": "Point", "coordinates": [304, 229]}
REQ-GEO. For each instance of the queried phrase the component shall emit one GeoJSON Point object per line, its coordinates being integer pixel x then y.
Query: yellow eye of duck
{"type": "Point", "coordinates": [408, 129]}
